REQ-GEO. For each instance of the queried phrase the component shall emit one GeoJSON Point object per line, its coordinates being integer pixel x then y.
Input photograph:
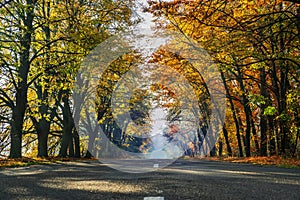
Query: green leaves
{"type": "Point", "coordinates": [257, 99]}
{"type": "Point", "coordinates": [270, 111]}
{"type": "Point", "coordinates": [42, 43]}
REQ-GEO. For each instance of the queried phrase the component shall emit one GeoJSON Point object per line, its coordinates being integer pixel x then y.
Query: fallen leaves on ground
{"type": "Point", "coordinates": [272, 160]}
{"type": "Point", "coordinates": [25, 161]}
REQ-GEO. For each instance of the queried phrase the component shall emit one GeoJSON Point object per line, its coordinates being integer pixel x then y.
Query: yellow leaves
{"type": "Point", "coordinates": [116, 76]}
{"type": "Point", "coordinates": [108, 84]}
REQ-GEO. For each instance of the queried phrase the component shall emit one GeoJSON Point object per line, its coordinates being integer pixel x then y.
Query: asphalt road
{"type": "Point", "coordinates": [182, 180]}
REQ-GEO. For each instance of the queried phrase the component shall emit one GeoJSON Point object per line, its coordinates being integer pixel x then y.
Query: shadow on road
{"type": "Point", "coordinates": [182, 180]}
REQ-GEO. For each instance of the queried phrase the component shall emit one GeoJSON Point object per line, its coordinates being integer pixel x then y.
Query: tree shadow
{"type": "Point", "coordinates": [181, 180]}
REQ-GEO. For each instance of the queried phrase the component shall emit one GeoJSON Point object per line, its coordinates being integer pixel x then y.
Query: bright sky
{"type": "Point", "coordinates": [148, 39]}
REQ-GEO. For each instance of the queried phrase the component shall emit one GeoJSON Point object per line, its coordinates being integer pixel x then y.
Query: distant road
{"type": "Point", "coordinates": [183, 180]}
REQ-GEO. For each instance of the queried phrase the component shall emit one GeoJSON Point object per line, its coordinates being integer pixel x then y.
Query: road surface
{"type": "Point", "coordinates": [183, 180]}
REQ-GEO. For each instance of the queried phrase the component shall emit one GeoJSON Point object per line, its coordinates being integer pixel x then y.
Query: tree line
{"type": "Point", "coordinates": [256, 46]}
{"type": "Point", "coordinates": [42, 43]}
{"type": "Point", "coordinates": [254, 43]}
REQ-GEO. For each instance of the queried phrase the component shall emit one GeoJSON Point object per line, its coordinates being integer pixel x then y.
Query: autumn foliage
{"type": "Point", "coordinates": [256, 46]}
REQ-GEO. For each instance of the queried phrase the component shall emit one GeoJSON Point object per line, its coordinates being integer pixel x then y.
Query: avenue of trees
{"type": "Point", "coordinates": [256, 46]}
{"type": "Point", "coordinates": [41, 45]}
{"type": "Point", "coordinates": [254, 43]}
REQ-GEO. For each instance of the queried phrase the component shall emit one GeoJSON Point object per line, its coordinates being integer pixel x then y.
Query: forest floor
{"type": "Point", "coordinates": [182, 180]}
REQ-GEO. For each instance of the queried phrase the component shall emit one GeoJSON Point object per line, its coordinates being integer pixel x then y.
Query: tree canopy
{"type": "Point", "coordinates": [253, 44]}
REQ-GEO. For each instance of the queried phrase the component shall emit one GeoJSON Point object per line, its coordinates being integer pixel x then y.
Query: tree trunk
{"type": "Point", "coordinates": [247, 111]}
{"type": "Point", "coordinates": [284, 86]}
{"type": "Point", "coordinates": [117, 134]}
{"type": "Point", "coordinates": [220, 148]}
{"type": "Point", "coordinates": [16, 135]}
{"type": "Point", "coordinates": [43, 125]}
{"type": "Point", "coordinates": [236, 122]}
{"type": "Point", "coordinates": [248, 129]}
{"type": "Point", "coordinates": [255, 137]}
{"type": "Point", "coordinates": [213, 151]}
{"type": "Point", "coordinates": [71, 148]}
{"type": "Point", "coordinates": [19, 109]}
{"type": "Point", "coordinates": [227, 141]}
{"type": "Point", "coordinates": [43, 129]}
{"type": "Point", "coordinates": [263, 118]}
{"type": "Point", "coordinates": [273, 146]}
{"type": "Point", "coordinates": [92, 136]}
{"type": "Point", "coordinates": [68, 125]}
{"type": "Point", "coordinates": [17, 121]}
{"type": "Point", "coordinates": [76, 144]}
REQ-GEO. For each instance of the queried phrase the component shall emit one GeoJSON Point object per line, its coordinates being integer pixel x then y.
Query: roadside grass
{"type": "Point", "coordinates": [26, 161]}
{"type": "Point", "coordinates": [22, 162]}
{"type": "Point", "coordinates": [292, 163]}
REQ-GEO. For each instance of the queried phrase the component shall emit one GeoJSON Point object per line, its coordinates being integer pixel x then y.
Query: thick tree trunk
{"type": "Point", "coordinates": [43, 132]}
{"type": "Point", "coordinates": [16, 135]}
{"type": "Point", "coordinates": [17, 121]}
{"type": "Point", "coordinates": [19, 109]}
{"type": "Point", "coordinates": [213, 151]}
{"type": "Point", "coordinates": [43, 125]}
{"type": "Point", "coordinates": [68, 125]}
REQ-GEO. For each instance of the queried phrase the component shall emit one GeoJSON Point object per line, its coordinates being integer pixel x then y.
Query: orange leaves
{"type": "Point", "coordinates": [273, 160]}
